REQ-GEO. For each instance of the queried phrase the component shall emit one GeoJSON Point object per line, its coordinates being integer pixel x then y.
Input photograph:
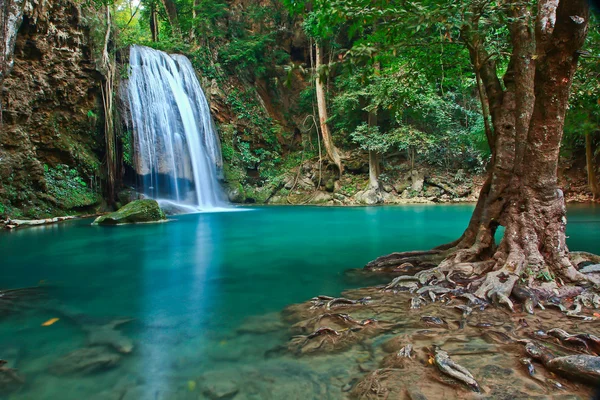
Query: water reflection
{"type": "Point", "coordinates": [175, 311]}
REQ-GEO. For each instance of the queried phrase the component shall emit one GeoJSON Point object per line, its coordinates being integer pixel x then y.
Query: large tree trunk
{"type": "Point", "coordinates": [521, 192]}
{"type": "Point", "coordinates": [591, 166]}
{"type": "Point", "coordinates": [332, 151]}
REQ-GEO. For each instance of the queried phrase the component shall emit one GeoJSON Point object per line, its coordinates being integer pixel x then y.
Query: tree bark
{"type": "Point", "coordinates": [332, 151]}
{"type": "Point", "coordinates": [590, 166]}
{"type": "Point", "coordinates": [154, 23]}
{"type": "Point", "coordinates": [374, 165]}
{"type": "Point", "coordinates": [373, 170]}
{"type": "Point", "coordinates": [195, 6]}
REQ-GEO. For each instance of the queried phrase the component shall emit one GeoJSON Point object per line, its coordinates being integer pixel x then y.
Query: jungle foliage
{"type": "Point", "coordinates": [407, 63]}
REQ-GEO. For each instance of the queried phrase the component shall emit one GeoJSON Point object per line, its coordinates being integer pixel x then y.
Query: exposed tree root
{"type": "Point", "coordinates": [497, 278]}
{"type": "Point", "coordinates": [394, 262]}
{"type": "Point", "coordinates": [371, 387]}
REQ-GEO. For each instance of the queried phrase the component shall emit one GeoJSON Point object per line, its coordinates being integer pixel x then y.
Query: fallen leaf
{"type": "Point", "coordinates": [192, 385]}
{"type": "Point", "coordinates": [50, 322]}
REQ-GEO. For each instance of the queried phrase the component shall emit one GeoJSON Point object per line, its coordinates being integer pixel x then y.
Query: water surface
{"type": "Point", "coordinates": [191, 283]}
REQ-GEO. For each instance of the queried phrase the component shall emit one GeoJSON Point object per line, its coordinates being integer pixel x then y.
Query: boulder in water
{"type": "Point", "coordinates": [135, 212]}
{"type": "Point", "coordinates": [9, 379]}
{"type": "Point", "coordinates": [87, 360]}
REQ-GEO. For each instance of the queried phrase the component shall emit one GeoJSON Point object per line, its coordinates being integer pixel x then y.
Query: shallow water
{"type": "Point", "coordinates": [191, 283]}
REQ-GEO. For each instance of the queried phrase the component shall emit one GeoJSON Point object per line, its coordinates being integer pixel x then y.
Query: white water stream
{"type": "Point", "coordinates": [176, 148]}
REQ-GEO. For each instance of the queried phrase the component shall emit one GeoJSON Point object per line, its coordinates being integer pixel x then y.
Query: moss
{"type": "Point", "coordinates": [257, 194]}
{"type": "Point", "coordinates": [67, 188]}
{"type": "Point", "coordinates": [135, 212]}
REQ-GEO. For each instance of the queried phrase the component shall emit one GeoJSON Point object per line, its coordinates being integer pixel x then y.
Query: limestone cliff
{"type": "Point", "coordinates": [49, 151]}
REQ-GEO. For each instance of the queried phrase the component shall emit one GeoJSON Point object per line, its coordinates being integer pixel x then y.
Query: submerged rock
{"type": "Point", "coordinates": [9, 379]}
{"type": "Point", "coordinates": [108, 335]}
{"type": "Point", "coordinates": [85, 361]}
{"type": "Point", "coordinates": [135, 212]}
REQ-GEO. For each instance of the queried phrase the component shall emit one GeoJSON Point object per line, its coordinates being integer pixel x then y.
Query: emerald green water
{"type": "Point", "coordinates": [191, 283]}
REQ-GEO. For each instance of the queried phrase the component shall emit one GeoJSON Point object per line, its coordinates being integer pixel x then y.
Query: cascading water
{"type": "Point", "coordinates": [177, 151]}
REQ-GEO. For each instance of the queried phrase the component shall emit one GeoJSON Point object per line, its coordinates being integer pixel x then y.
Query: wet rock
{"type": "Point", "coordinates": [108, 335]}
{"type": "Point", "coordinates": [220, 390]}
{"type": "Point", "coordinates": [9, 379]}
{"type": "Point", "coordinates": [135, 212]}
{"type": "Point", "coordinates": [235, 193]}
{"type": "Point", "coordinates": [126, 196]}
{"type": "Point", "coordinates": [262, 324]}
{"type": "Point", "coordinates": [414, 393]}
{"type": "Point", "coordinates": [87, 360]}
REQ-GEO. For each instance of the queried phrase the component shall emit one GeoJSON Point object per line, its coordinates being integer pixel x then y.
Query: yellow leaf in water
{"type": "Point", "coordinates": [192, 385]}
{"type": "Point", "coordinates": [223, 342]}
{"type": "Point", "coordinates": [50, 322]}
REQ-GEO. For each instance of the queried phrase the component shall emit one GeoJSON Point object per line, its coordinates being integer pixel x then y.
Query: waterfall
{"type": "Point", "coordinates": [177, 153]}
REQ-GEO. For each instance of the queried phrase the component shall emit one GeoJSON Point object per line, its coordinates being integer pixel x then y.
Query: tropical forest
{"type": "Point", "coordinates": [299, 199]}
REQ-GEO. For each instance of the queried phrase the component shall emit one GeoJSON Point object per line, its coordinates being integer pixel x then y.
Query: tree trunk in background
{"type": "Point", "coordinates": [373, 158]}
{"type": "Point", "coordinates": [332, 151]}
{"type": "Point", "coordinates": [171, 10]}
{"type": "Point", "coordinates": [591, 167]}
{"type": "Point", "coordinates": [154, 23]}
{"type": "Point", "coordinates": [374, 165]}
{"type": "Point", "coordinates": [373, 170]}
{"type": "Point", "coordinates": [195, 5]}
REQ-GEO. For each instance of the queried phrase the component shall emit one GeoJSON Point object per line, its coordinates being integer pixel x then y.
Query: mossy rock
{"type": "Point", "coordinates": [135, 212]}
{"type": "Point", "coordinates": [330, 185]}
{"type": "Point", "coordinates": [126, 196]}
{"type": "Point", "coordinates": [235, 192]}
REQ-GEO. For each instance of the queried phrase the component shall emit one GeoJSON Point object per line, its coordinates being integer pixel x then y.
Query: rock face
{"type": "Point", "coordinates": [50, 100]}
{"type": "Point", "coordinates": [135, 212]}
